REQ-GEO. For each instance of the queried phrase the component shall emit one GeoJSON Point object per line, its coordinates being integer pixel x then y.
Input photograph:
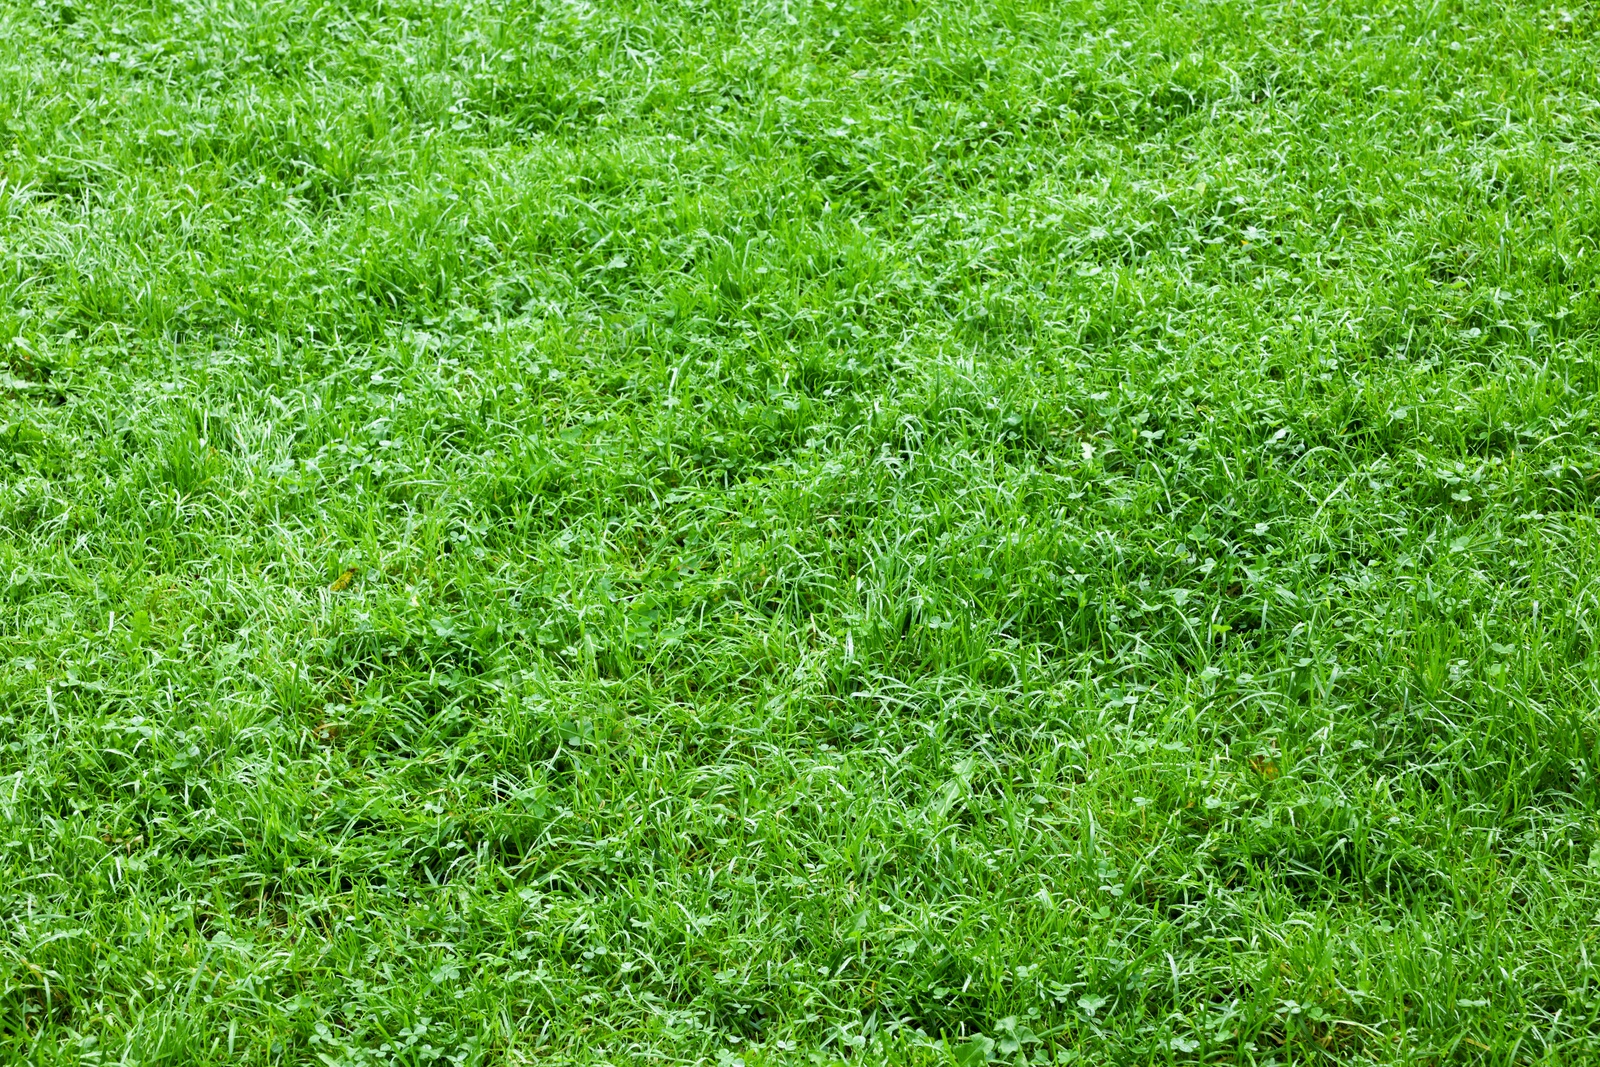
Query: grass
{"type": "Point", "coordinates": [915, 531]}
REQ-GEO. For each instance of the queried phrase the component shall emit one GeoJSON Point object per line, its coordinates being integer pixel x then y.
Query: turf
{"type": "Point", "coordinates": [908, 531]}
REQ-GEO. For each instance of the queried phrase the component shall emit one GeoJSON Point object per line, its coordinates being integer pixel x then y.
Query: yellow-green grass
{"type": "Point", "coordinates": [792, 531]}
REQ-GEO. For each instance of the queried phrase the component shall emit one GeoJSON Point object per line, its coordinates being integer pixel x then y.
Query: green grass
{"type": "Point", "coordinates": [889, 530]}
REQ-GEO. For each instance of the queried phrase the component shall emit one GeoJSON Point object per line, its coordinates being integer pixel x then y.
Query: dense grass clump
{"type": "Point", "coordinates": [928, 531]}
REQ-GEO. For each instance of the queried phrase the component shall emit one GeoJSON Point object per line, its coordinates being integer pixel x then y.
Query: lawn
{"type": "Point", "coordinates": [788, 531]}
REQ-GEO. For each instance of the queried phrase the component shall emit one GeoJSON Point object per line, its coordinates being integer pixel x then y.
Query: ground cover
{"type": "Point", "coordinates": [794, 531]}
